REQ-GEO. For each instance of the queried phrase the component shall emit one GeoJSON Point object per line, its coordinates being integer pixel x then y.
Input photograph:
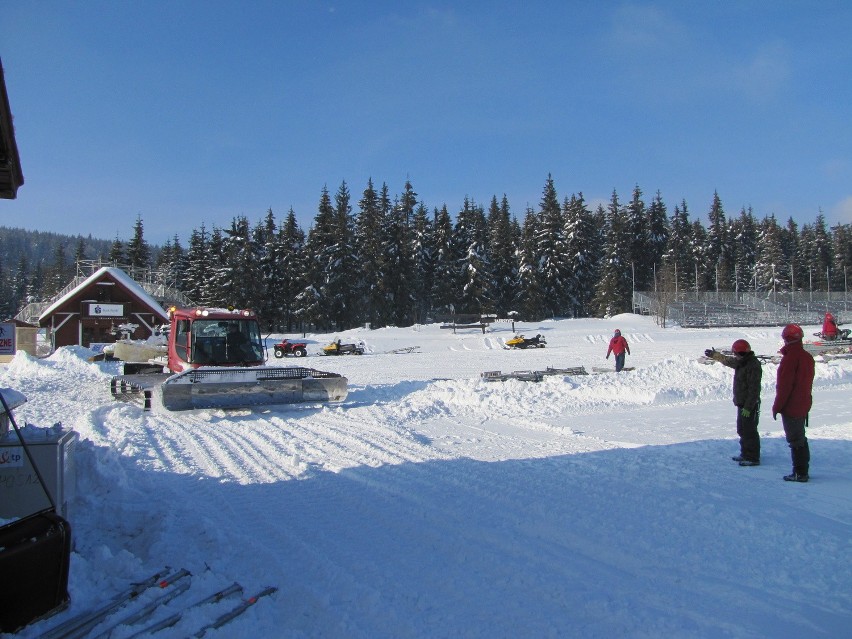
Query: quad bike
{"type": "Point", "coordinates": [519, 341]}
{"type": "Point", "coordinates": [286, 347]}
{"type": "Point", "coordinates": [336, 348]}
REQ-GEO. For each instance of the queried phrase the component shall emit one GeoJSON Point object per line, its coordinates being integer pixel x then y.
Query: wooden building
{"type": "Point", "coordinates": [91, 312]}
{"type": "Point", "coordinates": [11, 175]}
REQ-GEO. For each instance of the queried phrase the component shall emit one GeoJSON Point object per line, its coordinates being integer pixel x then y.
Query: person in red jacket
{"type": "Point", "coordinates": [829, 327]}
{"type": "Point", "coordinates": [618, 345]}
{"type": "Point", "coordinates": [793, 398]}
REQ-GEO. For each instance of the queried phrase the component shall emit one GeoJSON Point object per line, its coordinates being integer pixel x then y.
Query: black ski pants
{"type": "Point", "coordinates": [794, 431]}
{"type": "Point", "coordinates": [749, 436]}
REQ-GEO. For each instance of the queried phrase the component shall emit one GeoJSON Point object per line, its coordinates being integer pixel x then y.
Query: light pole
{"type": "Point", "coordinates": [773, 282]}
{"type": "Point", "coordinates": [717, 279]}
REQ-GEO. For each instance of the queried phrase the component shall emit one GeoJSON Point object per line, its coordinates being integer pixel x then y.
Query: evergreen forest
{"type": "Point", "coordinates": [389, 260]}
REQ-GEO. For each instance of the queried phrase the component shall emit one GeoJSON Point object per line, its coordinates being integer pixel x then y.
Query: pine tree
{"type": "Point", "coordinates": [239, 277]}
{"type": "Point", "coordinates": [613, 294]}
{"type": "Point", "coordinates": [502, 248]}
{"type": "Point", "coordinates": [821, 253]}
{"type": "Point", "coordinates": [116, 252]}
{"type": "Point", "coordinates": [554, 270]}
{"type": "Point", "coordinates": [445, 287]}
{"type": "Point", "coordinates": [20, 283]}
{"type": "Point", "coordinates": [678, 255]}
{"type": "Point", "coordinates": [470, 237]}
{"type": "Point", "coordinates": [344, 306]}
{"type": "Point", "coordinates": [58, 274]}
{"type": "Point", "coordinates": [290, 256]}
{"type": "Point", "coordinates": [424, 266]}
{"type": "Point", "coordinates": [266, 239]}
{"type": "Point", "coordinates": [769, 274]}
{"type": "Point", "coordinates": [702, 268]}
{"type": "Point", "coordinates": [744, 234]}
{"type": "Point", "coordinates": [640, 244]}
{"type": "Point", "coordinates": [198, 267]}
{"type": "Point", "coordinates": [216, 286]}
{"type": "Point", "coordinates": [369, 278]}
{"type": "Point", "coordinates": [170, 264]}
{"type": "Point", "coordinates": [658, 233]}
{"type": "Point", "coordinates": [530, 300]}
{"type": "Point", "coordinates": [399, 261]}
{"type": "Point", "coordinates": [79, 251]}
{"type": "Point", "coordinates": [719, 254]}
{"type": "Point", "coordinates": [790, 250]}
{"type": "Point", "coordinates": [583, 241]}
{"type": "Point", "coordinates": [138, 250]}
{"type": "Point", "coordinates": [315, 298]}
{"type": "Point", "coordinates": [841, 256]}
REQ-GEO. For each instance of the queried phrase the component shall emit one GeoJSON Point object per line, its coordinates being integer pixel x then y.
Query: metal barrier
{"type": "Point", "coordinates": [710, 309]}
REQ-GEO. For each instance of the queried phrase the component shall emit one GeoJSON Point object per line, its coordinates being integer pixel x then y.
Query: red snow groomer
{"type": "Point", "coordinates": [215, 359]}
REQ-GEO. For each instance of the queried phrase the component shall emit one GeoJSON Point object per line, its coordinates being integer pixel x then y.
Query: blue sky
{"type": "Point", "coordinates": [191, 112]}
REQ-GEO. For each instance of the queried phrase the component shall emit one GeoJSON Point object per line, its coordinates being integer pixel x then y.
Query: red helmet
{"type": "Point", "coordinates": [792, 333]}
{"type": "Point", "coordinates": [829, 316]}
{"type": "Point", "coordinates": [741, 346]}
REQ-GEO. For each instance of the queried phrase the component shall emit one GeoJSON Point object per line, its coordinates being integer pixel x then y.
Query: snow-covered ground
{"type": "Point", "coordinates": [434, 504]}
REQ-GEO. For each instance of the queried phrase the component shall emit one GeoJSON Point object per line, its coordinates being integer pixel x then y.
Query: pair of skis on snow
{"type": "Point", "coordinates": [176, 583]}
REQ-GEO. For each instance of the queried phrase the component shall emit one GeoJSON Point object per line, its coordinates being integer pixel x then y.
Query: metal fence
{"type": "Point", "coordinates": [709, 309]}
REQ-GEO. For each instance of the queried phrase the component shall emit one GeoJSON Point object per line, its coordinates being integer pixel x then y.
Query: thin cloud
{"type": "Point", "coordinates": [637, 28]}
{"type": "Point", "coordinates": [764, 74]}
{"type": "Point", "coordinates": [842, 211]}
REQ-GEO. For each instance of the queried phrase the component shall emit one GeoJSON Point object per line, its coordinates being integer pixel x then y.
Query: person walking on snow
{"type": "Point", "coordinates": [793, 398]}
{"type": "Point", "coordinates": [618, 346]}
{"type": "Point", "coordinates": [748, 374]}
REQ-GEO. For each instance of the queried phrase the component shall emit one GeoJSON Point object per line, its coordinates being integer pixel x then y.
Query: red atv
{"type": "Point", "coordinates": [286, 347]}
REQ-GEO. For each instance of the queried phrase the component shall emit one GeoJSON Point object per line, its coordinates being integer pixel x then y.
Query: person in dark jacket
{"type": "Point", "coordinates": [748, 374]}
{"type": "Point", "coordinates": [793, 398]}
{"type": "Point", "coordinates": [618, 346]}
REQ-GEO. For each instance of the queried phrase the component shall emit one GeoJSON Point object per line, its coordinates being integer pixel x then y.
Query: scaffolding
{"type": "Point", "coordinates": [158, 283]}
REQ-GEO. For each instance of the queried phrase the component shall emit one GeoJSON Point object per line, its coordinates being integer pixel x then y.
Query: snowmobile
{"type": "Point", "coordinates": [336, 348]}
{"type": "Point", "coordinates": [286, 347]}
{"type": "Point", "coordinates": [215, 359]}
{"type": "Point", "coordinates": [519, 341]}
{"type": "Point", "coordinates": [829, 346]}
{"type": "Point", "coordinates": [840, 336]}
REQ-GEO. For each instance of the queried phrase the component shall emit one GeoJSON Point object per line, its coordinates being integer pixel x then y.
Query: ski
{"type": "Point", "coordinates": [171, 620]}
{"type": "Point", "coordinates": [234, 612]}
{"type": "Point", "coordinates": [180, 586]}
{"type": "Point", "coordinates": [81, 624]}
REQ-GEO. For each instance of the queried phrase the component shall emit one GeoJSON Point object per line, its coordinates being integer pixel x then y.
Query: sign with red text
{"type": "Point", "coordinates": [7, 338]}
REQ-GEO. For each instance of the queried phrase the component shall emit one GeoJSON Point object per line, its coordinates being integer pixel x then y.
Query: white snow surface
{"type": "Point", "coordinates": [434, 504]}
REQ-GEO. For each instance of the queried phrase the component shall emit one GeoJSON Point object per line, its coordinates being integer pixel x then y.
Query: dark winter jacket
{"type": "Point", "coordinates": [795, 382]}
{"type": "Point", "coordinates": [618, 345]}
{"type": "Point", "coordinates": [748, 373]}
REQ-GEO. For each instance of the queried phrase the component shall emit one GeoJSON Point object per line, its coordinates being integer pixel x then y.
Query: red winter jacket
{"type": "Point", "coordinates": [829, 327]}
{"type": "Point", "coordinates": [618, 345]}
{"type": "Point", "coordinates": [795, 382]}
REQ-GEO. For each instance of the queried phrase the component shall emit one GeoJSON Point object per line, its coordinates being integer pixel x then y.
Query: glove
{"type": "Point", "coordinates": [745, 412]}
{"type": "Point", "coordinates": [607, 356]}
{"type": "Point", "coordinates": [709, 352]}
{"type": "Point", "coordinates": [775, 416]}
